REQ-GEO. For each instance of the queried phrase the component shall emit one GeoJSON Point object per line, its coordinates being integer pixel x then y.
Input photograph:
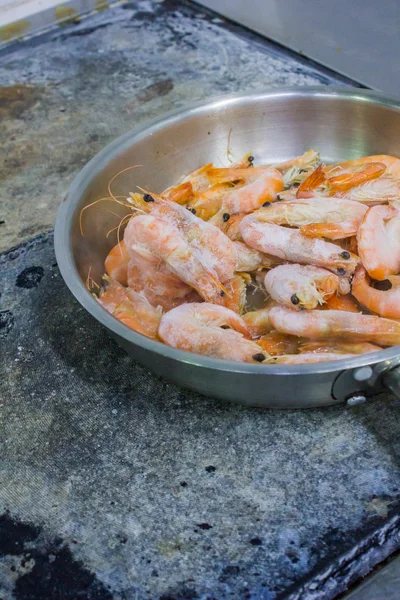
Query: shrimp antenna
{"type": "Point", "coordinates": [117, 228]}
{"type": "Point", "coordinates": [117, 175]}
{"type": "Point", "coordinates": [90, 282]}
{"type": "Point", "coordinates": [107, 198]}
{"type": "Point", "coordinates": [228, 150]}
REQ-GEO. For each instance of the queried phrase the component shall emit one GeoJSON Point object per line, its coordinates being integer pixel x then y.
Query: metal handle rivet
{"type": "Point", "coordinates": [362, 374]}
{"type": "Point", "coordinates": [354, 400]}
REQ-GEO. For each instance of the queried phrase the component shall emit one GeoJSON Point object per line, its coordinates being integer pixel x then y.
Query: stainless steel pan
{"type": "Point", "coordinates": [274, 125]}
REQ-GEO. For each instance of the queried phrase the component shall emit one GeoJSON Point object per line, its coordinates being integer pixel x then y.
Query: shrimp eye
{"type": "Point", "coordinates": [226, 216]}
{"type": "Point", "coordinates": [222, 293]}
{"type": "Point", "coordinates": [250, 159]}
{"type": "Point", "coordinates": [383, 286]}
{"type": "Point", "coordinates": [267, 204]}
{"type": "Point", "coordinates": [148, 198]}
{"type": "Point", "coordinates": [341, 271]}
{"type": "Point", "coordinates": [225, 327]}
{"type": "Point", "coordinates": [193, 210]}
{"type": "Point", "coordinates": [259, 357]}
{"type": "Point", "coordinates": [345, 254]}
{"type": "Point", "coordinates": [278, 198]}
{"type": "Point", "coordinates": [294, 299]}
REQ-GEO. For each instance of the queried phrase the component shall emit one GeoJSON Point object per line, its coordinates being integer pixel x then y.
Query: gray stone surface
{"type": "Point", "coordinates": [162, 493]}
{"type": "Point", "coordinates": [64, 96]}
{"type": "Point", "coordinates": [114, 483]}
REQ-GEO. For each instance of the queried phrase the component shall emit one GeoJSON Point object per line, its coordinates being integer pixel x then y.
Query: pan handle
{"type": "Point", "coordinates": [391, 380]}
{"type": "Point", "coordinates": [355, 386]}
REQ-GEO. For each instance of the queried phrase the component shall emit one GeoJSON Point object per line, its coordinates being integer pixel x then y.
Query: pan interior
{"type": "Point", "coordinates": [272, 126]}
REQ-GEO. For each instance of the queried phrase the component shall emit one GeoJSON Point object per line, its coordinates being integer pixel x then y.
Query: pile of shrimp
{"type": "Point", "coordinates": [320, 244]}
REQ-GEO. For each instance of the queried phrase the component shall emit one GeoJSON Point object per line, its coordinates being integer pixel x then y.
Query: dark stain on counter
{"type": "Point", "coordinates": [30, 278]}
{"type": "Point", "coordinates": [16, 99]}
{"type": "Point", "coordinates": [161, 88]}
{"type": "Point", "coordinates": [6, 322]}
{"type": "Point", "coordinates": [46, 570]}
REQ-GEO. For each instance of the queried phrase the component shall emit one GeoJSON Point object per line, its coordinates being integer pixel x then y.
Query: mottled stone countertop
{"type": "Point", "coordinates": [113, 482]}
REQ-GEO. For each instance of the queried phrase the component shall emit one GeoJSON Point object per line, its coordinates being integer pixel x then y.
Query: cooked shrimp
{"type": "Point", "coordinates": [292, 245]}
{"type": "Point", "coordinates": [195, 251]}
{"type": "Point", "coordinates": [343, 176]}
{"type": "Point", "coordinates": [345, 302]}
{"type": "Point", "coordinates": [199, 179]}
{"type": "Point", "coordinates": [249, 259]}
{"type": "Point", "coordinates": [211, 246]}
{"type": "Point", "coordinates": [257, 321]}
{"type": "Point", "coordinates": [116, 263]}
{"type": "Point", "coordinates": [308, 186]}
{"type": "Point", "coordinates": [231, 227]}
{"type": "Point", "coordinates": [112, 294]}
{"type": "Point", "coordinates": [321, 324]}
{"type": "Point", "coordinates": [339, 178]}
{"type": "Point", "coordinates": [342, 347]}
{"type": "Point", "coordinates": [207, 203]}
{"type": "Point", "coordinates": [151, 275]}
{"type": "Point", "coordinates": [377, 191]}
{"type": "Point", "coordinates": [235, 297]}
{"type": "Point", "coordinates": [312, 357]}
{"type": "Point", "coordinates": [379, 241]}
{"type": "Point", "coordinates": [137, 313]}
{"type": "Point", "coordinates": [262, 184]}
{"type": "Point", "coordinates": [245, 161]}
{"type": "Point", "coordinates": [385, 303]}
{"type": "Point", "coordinates": [210, 330]}
{"type": "Point", "coordinates": [306, 161]}
{"type": "Point", "coordinates": [391, 163]}
{"type": "Point", "coordinates": [131, 308]}
{"type": "Point", "coordinates": [181, 193]}
{"type": "Point", "coordinates": [333, 218]}
{"type": "Point", "coordinates": [303, 286]}
{"type": "Point", "coordinates": [276, 343]}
